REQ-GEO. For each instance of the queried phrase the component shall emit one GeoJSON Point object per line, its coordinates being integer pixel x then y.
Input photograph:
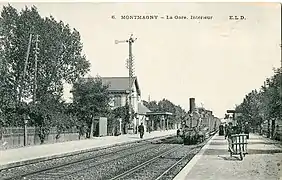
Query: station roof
{"type": "Point", "coordinates": [120, 84]}
{"type": "Point", "coordinates": [158, 113]}
{"type": "Point", "coordinates": [142, 109]}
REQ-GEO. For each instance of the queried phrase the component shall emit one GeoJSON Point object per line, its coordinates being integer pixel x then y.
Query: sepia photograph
{"type": "Point", "coordinates": [140, 91]}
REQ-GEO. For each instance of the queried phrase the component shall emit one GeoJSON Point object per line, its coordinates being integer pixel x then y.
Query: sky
{"type": "Point", "coordinates": [216, 61]}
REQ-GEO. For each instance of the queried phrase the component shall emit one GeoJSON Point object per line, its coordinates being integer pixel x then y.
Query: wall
{"type": "Point", "coordinates": [122, 99]}
{"type": "Point", "coordinates": [135, 99]}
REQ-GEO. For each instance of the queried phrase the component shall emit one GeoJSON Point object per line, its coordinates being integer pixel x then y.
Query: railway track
{"type": "Point", "coordinates": [156, 159]}
{"type": "Point", "coordinates": [33, 169]}
{"type": "Point", "coordinates": [164, 166]}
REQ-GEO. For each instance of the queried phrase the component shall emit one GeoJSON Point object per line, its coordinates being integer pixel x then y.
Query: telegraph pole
{"type": "Point", "coordinates": [35, 68]}
{"type": "Point", "coordinates": [21, 88]}
{"type": "Point", "coordinates": [130, 41]}
{"type": "Point", "coordinates": [25, 67]}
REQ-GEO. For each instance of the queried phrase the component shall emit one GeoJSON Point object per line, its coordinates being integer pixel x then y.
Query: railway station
{"type": "Point", "coordinates": [75, 77]}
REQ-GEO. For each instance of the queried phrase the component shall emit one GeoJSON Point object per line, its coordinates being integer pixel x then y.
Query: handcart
{"type": "Point", "coordinates": [239, 145]}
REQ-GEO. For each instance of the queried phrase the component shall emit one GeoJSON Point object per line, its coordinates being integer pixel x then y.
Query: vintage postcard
{"type": "Point", "coordinates": [145, 91]}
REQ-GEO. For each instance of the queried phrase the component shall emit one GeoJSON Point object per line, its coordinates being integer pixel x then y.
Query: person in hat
{"type": "Point", "coordinates": [141, 130]}
{"type": "Point", "coordinates": [229, 132]}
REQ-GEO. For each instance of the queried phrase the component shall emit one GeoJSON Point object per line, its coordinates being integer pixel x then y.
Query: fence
{"type": "Point", "coordinates": [275, 129]}
{"type": "Point", "coordinates": [13, 137]}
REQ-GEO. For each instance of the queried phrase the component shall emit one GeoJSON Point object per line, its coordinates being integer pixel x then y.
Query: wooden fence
{"type": "Point", "coordinates": [275, 129]}
{"type": "Point", "coordinates": [13, 137]}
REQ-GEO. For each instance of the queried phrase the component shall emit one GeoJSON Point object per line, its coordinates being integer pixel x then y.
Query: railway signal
{"type": "Point", "coordinates": [130, 67]}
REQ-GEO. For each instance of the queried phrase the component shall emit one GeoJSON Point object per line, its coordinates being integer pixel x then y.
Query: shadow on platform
{"type": "Point", "coordinates": [250, 143]}
{"type": "Point", "coordinates": [269, 143]}
{"type": "Point", "coordinates": [228, 158]}
{"type": "Point", "coordinates": [219, 152]}
{"type": "Point", "coordinates": [260, 151]}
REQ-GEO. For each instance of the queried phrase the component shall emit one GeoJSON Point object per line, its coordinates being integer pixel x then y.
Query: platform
{"type": "Point", "coordinates": [213, 162]}
{"type": "Point", "coordinates": [35, 153]}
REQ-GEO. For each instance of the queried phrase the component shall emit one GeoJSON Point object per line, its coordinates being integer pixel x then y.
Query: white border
{"type": "Point", "coordinates": [115, 1]}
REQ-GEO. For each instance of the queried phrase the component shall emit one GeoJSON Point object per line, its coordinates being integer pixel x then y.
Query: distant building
{"type": "Point", "coordinates": [118, 88]}
{"type": "Point", "coordinates": [119, 91]}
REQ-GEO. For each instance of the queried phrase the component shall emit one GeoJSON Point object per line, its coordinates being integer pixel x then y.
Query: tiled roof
{"type": "Point", "coordinates": [120, 84]}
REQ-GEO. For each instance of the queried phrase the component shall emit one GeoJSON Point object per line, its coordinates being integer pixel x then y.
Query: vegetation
{"type": "Point", "coordinates": [166, 106]}
{"type": "Point", "coordinates": [90, 99]}
{"type": "Point", "coordinates": [263, 104]}
{"type": "Point", "coordinates": [59, 60]}
{"type": "Point", "coordinates": [37, 92]}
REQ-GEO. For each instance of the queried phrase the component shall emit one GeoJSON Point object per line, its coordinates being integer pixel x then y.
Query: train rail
{"type": "Point", "coordinates": [154, 159]}
{"type": "Point", "coordinates": [164, 166]}
{"type": "Point", "coordinates": [136, 168]}
{"type": "Point", "coordinates": [32, 169]}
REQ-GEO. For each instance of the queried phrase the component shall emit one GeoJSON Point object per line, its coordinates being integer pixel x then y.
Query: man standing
{"type": "Point", "coordinates": [229, 132]}
{"type": "Point", "coordinates": [141, 130]}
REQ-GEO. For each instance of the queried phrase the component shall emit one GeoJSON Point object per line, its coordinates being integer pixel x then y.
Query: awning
{"type": "Point", "coordinates": [158, 113]}
{"type": "Point", "coordinates": [142, 110]}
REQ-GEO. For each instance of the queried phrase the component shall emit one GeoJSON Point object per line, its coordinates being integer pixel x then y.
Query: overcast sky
{"type": "Point", "coordinates": [216, 61]}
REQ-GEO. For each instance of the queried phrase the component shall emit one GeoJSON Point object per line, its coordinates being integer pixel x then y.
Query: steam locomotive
{"type": "Point", "coordinates": [199, 125]}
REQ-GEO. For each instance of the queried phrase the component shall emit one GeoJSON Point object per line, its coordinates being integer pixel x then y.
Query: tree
{"type": "Point", "coordinates": [265, 104]}
{"type": "Point", "coordinates": [123, 113]}
{"type": "Point", "coordinates": [167, 106]}
{"type": "Point", "coordinates": [153, 106]}
{"type": "Point", "coordinates": [180, 114]}
{"type": "Point", "coordinates": [90, 99]}
{"type": "Point", "coordinates": [250, 108]}
{"type": "Point", "coordinates": [8, 89]}
{"type": "Point", "coordinates": [60, 56]}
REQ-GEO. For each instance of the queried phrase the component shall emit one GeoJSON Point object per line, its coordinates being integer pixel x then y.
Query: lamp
{"type": "Point", "coordinates": [26, 119]}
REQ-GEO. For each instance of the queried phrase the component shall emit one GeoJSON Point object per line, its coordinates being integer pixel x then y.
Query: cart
{"type": "Point", "coordinates": [239, 145]}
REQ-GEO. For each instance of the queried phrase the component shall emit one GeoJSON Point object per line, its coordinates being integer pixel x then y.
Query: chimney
{"type": "Point", "coordinates": [192, 104]}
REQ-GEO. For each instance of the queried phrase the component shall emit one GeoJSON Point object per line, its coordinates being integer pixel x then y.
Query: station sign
{"type": "Point", "coordinates": [231, 111]}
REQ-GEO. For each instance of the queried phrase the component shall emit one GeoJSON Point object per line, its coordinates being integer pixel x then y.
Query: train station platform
{"type": "Point", "coordinates": [19, 156]}
{"type": "Point", "coordinates": [213, 162]}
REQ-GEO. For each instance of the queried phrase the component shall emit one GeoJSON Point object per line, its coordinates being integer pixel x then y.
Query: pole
{"type": "Point", "coordinates": [25, 67]}
{"type": "Point", "coordinates": [35, 69]}
{"type": "Point", "coordinates": [130, 73]}
{"type": "Point", "coordinates": [25, 132]}
{"type": "Point", "coordinates": [91, 127]}
{"type": "Point", "coordinates": [21, 87]}
{"type": "Point", "coordinates": [130, 78]}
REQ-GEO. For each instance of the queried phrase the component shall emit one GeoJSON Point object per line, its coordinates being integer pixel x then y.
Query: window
{"type": "Point", "coordinates": [117, 101]}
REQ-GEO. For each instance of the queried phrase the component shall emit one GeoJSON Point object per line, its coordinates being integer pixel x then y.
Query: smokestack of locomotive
{"type": "Point", "coordinates": [192, 109]}
{"type": "Point", "coordinates": [192, 104]}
